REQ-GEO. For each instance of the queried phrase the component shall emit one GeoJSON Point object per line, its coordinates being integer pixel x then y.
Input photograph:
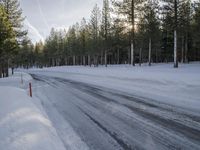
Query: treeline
{"type": "Point", "coordinates": [11, 34]}
{"type": "Point", "coordinates": [123, 32]}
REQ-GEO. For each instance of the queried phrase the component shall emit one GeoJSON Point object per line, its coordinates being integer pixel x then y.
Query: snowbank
{"type": "Point", "coordinates": [19, 79]}
{"type": "Point", "coordinates": [22, 125]}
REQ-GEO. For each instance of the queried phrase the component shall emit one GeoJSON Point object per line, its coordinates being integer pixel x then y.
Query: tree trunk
{"type": "Point", "coordinates": [1, 70]}
{"type": "Point", "coordinates": [89, 60]}
{"type": "Point", "coordinates": [106, 59]}
{"type": "Point", "coordinates": [156, 55]}
{"type": "Point", "coordinates": [118, 55]}
{"type": "Point", "coordinates": [6, 70]}
{"type": "Point", "coordinates": [94, 61]}
{"type": "Point", "coordinates": [74, 60]}
{"type": "Point", "coordinates": [133, 33]}
{"type": "Point", "coordinates": [175, 35]}
{"type": "Point", "coordinates": [97, 60]}
{"type": "Point", "coordinates": [129, 57]}
{"type": "Point", "coordinates": [175, 50]}
{"type": "Point", "coordinates": [186, 48]}
{"type": "Point", "coordinates": [84, 61]}
{"type": "Point", "coordinates": [149, 51]}
{"type": "Point", "coordinates": [102, 58]}
{"type": "Point", "coordinates": [182, 50]}
{"type": "Point", "coordinates": [132, 54]}
{"type": "Point", "coordinates": [66, 61]}
{"type": "Point", "coordinates": [140, 62]}
{"type": "Point", "coordinates": [12, 70]}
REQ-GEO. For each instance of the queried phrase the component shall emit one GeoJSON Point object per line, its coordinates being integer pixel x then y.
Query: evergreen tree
{"type": "Point", "coordinates": [196, 33]}
{"type": "Point", "coordinates": [7, 42]}
{"type": "Point", "coordinates": [83, 40]}
{"type": "Point", "coordinates": [14, 14]}
{"type": "Point", "coordinates": [105, 27]}
{"type": "Point", "coordinates": [152, 25]}
{"type": "Point", "coordinates": [94, 32]}
{"type": "Point", "coordinates": [130, 11]}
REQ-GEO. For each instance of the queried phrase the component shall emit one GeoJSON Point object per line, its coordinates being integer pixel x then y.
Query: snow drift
{"type": "Point", "coordinates": [22, 125]}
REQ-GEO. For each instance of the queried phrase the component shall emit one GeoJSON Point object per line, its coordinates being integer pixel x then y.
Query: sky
{"type": "Point", "coordinates": [42, 15]}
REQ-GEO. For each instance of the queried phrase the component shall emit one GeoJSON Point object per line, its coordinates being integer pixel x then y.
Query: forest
{"type": "Point", "coordinates": [121, 32]}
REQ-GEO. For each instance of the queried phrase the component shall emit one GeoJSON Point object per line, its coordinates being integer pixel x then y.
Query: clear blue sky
{"type": "Point", "coordinates": [42, 15]}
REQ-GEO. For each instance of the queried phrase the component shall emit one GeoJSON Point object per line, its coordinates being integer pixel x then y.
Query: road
{"type": "Point", "coordinates": [107, 119]}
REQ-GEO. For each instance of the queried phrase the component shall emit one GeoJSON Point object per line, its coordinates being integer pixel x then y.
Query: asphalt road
{"type": "Point", "coordinates": [106, 119]}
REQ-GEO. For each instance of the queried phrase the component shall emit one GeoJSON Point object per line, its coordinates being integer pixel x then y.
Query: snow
{"type": "Point", "coordinates": [160, 82]}
{"type": "Point", "coordinates": [122, 107]}
{"type": "Point", "coordinates": [23, 126]}
{"type": "Point", "coordinates": [20, 80]}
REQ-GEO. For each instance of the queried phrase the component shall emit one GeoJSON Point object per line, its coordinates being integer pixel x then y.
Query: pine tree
{"type": "Point", "coordinates": [152, 25]}
{"type": "Point", "coordinates": [14, 12]}
{"type": "Point", "coordinates": [173, 6]}
{"type": "Point", "coordinates": [184, 21]}
{"type": "Point", "coordinates": [83, 40]}
{"type": "Point", "coordinates": [14, 15]}
{"type": "Point", "coordinates": [195, 32]}
{"type": "Point", "coordinates": [130, 10]}
{"type": "Point", "coordinates": [105, 27]}
{"type": "Point", "coordinates": [94, 31]}
{"type": "Point", "coordinates": [7, 42]}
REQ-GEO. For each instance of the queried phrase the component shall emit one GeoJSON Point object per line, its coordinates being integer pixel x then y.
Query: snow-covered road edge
{"type": "Point", "coordinates": [23, 126]}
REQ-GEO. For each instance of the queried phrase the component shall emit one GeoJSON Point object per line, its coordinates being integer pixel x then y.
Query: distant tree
{"type": "Point", "coordinates": [25, 57]}
{"type": "Point", "coordinates": [184, 26]}
{"type": "Point", "coordinates": [196, 32]}
{"type": "Point", "coordinates": [71, 36]}
{"type": "Point", "coordinates": [155, 33]}
{"type": "Point", "coordinates": [152, 26]}
{"type": "Point", "coordinates": [106, 27]}
{"type": "Point", "coordinates": [83, 40]}
{"type": "Point", "coordinates": [94, 25]}
{"type": "Point", "coordinates": [129, 9]}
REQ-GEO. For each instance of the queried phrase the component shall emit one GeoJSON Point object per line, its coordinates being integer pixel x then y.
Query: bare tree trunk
{"type": "Point", "coordinates": [74, 60]}
{"type": "Point", "coordinates": [118, 55]}
{"type": "Point", "coordinates": [95, 60]}
{"type": "Point", "coordinates": [186, 48]}
{"type": "Point", "coordinates": [133, 33]}
{"type": "Point", "coordinates": [84, 61]}
{"type": "Point", "coordinates": [102, 58]}
{"type": "Point", "coordinates": [89, 60]}
{"type": "Point", "coordinates": [175, 36]}
{"type": "Point", "coordinates": [132, 54]}
{"type": "Point", "coordinates": [1, 70]}
{"type": "Point", "coordinates": [156, 55]}
{"type": "Point", "coordinates": [66, 60]}
{"type": "Point", "coordinates": [140, 63]}
{"type": "Point", "coordinates": [106, 59]}
{"type": "Point", "coordinates": [149, 51]}
{"type": "Point", "coordinates": [175, 50]}
{"type": "Point", "coordinates": [6, 69]}
{"type": "Point", "coordinates": [129, 57]}
{"type": "Point", "coordinates": [12, 70]}
{"type": "Point", "coordinates": [182, 50]}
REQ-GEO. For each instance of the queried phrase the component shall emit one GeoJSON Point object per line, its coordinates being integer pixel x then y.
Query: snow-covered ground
{"type": "Point", "coordinates": [122, 107]}
{"type": "Point", "coordinates": [114, 108]}
{"type": "Point", "coordinates": [160, 82]}
{"type": "Point", "coordinates": [23, 126]}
